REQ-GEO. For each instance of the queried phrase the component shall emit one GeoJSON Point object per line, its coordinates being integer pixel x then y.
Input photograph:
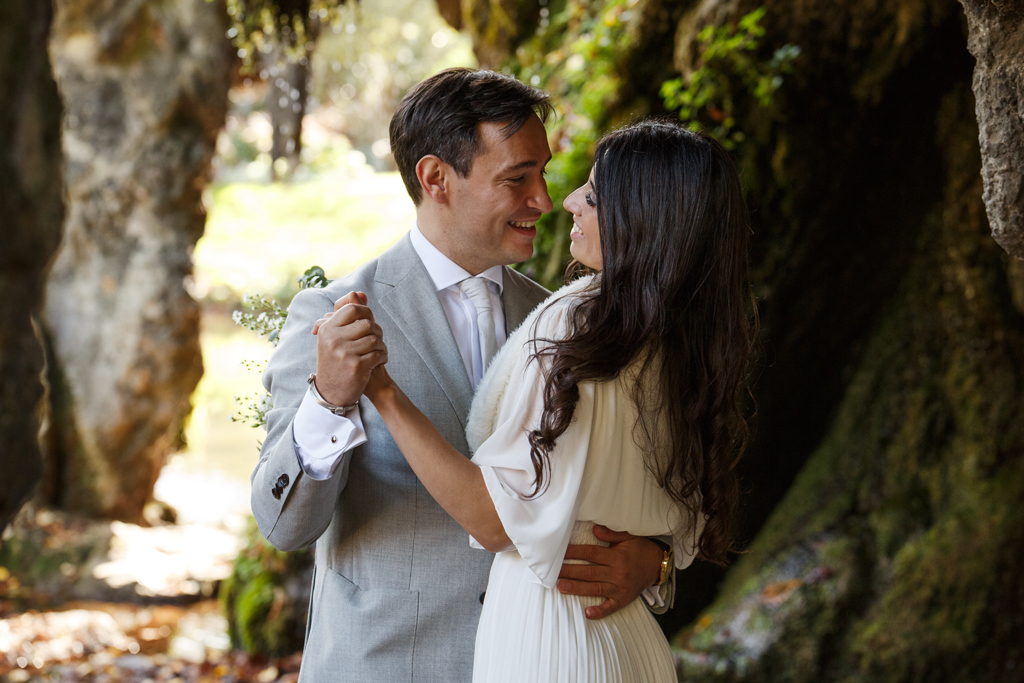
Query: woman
{"type": "Point", "coordinates": [617, 402]}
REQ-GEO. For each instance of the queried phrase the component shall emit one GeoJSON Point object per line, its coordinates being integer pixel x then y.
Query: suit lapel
{"type": "Point", "coordinates": [417, 312]}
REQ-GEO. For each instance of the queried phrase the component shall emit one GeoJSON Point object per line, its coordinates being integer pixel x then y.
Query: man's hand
{"type": "Point", "coordinates": [618, 573]}
{"type": "Point", "coordinates": [349, 345]}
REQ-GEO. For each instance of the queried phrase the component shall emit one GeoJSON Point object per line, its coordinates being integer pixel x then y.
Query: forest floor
{"type": "Point", "coordinates": [87, 600]}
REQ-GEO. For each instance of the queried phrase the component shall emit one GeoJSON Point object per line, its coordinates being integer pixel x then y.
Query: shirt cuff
{"type": "Point", "coordinates": [321, 437]}
{"type": "Point", "coordinates": [653, 596]}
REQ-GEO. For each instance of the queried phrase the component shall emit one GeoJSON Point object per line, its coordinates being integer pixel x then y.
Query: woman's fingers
{"type": "Point", "coordinates": [605, 534]}
{"type": "Point", "coordinates": [351, 298]}
{"type": "Point", "coordinates": [321, 321]}
{"type": "Point", "coordinates": [357, 298]}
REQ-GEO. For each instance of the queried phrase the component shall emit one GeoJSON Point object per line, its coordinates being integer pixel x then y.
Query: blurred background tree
{"type": "Point", "coordinates": [145, 88]}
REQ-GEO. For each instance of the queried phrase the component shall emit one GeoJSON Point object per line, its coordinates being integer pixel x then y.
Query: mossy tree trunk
{"type": "Point", "coordinates": [31, 212]}
{"type": "Point", "coordinates": [886, 472]}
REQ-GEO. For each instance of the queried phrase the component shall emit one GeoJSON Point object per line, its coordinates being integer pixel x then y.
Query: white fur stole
{"type": "Point", "coordinates": [487, 401]}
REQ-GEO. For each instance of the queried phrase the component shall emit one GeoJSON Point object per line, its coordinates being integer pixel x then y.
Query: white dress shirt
{"type": "Point", "coordinates": [321, 437]}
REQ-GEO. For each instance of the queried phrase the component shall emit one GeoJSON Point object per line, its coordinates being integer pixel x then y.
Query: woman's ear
{"type": "Point", "coordinates": [433, 176]}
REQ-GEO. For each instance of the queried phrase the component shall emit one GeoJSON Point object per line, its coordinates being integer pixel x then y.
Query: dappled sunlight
{"type": "Point", "coordinates": [105, 642]}
{"type": "Point", "coordinates": [168, 561]}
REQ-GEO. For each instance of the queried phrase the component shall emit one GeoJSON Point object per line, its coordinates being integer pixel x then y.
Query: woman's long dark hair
{"type": "Point", "coordinates": [672, 302]}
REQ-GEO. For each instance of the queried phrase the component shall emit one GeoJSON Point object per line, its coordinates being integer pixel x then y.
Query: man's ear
{"type": "Point", "coordinates": [433, 175]}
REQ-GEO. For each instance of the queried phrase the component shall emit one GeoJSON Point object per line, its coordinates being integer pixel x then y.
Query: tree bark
{"type": "Point", "coordinates": [145, 85]}
{"type": "Point", "coordinates": [996, 39]}
{"type": "Point", "coordinates": [31, 211]}
{"type": "Point", "coordinates": [286, 102]}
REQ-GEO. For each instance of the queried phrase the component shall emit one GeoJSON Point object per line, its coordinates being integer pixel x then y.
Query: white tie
{"type": "Point", "coordinates": [475, 288]}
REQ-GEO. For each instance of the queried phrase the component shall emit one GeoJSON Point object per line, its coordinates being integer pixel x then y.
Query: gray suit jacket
{"type": "Point", "coordinates": [397, 590]}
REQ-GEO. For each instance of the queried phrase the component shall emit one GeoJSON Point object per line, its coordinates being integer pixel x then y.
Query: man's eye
{"type": "Point", "coordinates": [589, 200]}
{"type": "Point", "coordinates": [517, 179]}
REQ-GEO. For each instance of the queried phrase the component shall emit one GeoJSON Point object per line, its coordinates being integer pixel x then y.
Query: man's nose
{"type": "Point", "coordinates": [539, 197]}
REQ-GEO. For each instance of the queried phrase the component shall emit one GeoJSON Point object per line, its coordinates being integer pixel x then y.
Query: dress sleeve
{"type": "Point", "coordinates": [539, 526]}
{"type": "Point", "coordinates": [685, 543]}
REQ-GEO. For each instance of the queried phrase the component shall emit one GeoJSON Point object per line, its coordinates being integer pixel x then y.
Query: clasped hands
{"type": "Point", "coordinates": [350, 360]}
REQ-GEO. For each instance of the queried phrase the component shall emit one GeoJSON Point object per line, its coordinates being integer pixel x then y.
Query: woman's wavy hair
{"type": "Point", "coordinates": [672, 304]}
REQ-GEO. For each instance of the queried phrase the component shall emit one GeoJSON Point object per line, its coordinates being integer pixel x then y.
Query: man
{"type": "Point", "coordinates": [397, 588]}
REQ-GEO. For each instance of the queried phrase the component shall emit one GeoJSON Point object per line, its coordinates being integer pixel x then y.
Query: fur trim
{"type": "Point", "coordinates": [490, 393]}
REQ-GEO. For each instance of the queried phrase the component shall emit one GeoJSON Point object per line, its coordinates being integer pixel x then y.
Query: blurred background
{"type": "Point", "coordinates": [172, 171]}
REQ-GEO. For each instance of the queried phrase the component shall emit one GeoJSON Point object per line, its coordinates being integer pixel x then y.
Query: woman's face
{"type": "Point", "coordinates": [586, 238]}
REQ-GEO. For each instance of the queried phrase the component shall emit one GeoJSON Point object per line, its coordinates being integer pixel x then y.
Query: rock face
{"type": "Point", "coordinates": [996, 39]}
{"type": "Point", "coordinates": [31, 214]}
{"type": "Point", "coordinates": [145, 86]}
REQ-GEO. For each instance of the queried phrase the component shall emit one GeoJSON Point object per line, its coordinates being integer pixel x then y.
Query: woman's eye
{"type": "Point", "coordinates": [589, 200]}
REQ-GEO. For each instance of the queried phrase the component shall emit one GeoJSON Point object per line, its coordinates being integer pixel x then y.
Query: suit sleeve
{"type": "Point", "coordinates": [292, 509]}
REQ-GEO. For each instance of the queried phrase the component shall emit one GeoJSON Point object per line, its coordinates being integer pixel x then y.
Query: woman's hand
{"type": "Point", "coordinates": [380, 385]}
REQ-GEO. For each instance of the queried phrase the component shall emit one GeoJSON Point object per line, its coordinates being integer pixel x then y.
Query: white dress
{"type": "Point", "coordinates": [529, 631]}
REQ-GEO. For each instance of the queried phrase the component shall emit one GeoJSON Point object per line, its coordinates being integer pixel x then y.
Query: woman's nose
{"type": "Point", "coordinates": [569, 203]}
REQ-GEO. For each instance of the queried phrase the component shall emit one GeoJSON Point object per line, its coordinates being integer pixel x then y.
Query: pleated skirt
{"type": "Point", "coordinates": [532, 634]}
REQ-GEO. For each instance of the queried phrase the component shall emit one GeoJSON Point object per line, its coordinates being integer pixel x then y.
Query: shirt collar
{"type": "Point", "coordinates": [442, 270]}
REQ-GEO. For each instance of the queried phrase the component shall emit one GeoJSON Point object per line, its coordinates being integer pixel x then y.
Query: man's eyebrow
{"type": "Point", "coordinates": [530, 163]}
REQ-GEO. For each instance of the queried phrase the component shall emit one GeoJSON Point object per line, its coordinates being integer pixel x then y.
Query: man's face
{"type": "Point", "coordinates": [495, 207]}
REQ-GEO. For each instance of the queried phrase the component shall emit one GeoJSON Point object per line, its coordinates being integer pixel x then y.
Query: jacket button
{"type": "Point", "coordinates": [282, 481]}
{"type": "Point", "coordinates": [276, 492]}
{"type": "Point", "coordinates": [482, 597]}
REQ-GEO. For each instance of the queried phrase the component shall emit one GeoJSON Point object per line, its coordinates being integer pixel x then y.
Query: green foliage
{"type": "Point", "coordinates": [260, 26]}
{"type": "Point", "coordinates": [580, 54]}
{"type": "Point", "coordinates": [313, 278]}
{"type": "Point", "coordinates": [267, 319]}
{"type": "Point", "coordinates": [729, 71]}
{"type": "Point", "coordinates": [261, 600]}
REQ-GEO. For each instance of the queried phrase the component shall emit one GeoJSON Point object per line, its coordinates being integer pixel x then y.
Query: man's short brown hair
{"type": "Point", "coordinates": [441, 115]}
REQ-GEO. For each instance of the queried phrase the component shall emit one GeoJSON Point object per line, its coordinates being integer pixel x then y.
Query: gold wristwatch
{"type": "Point", "coordinates": [666, 561]}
